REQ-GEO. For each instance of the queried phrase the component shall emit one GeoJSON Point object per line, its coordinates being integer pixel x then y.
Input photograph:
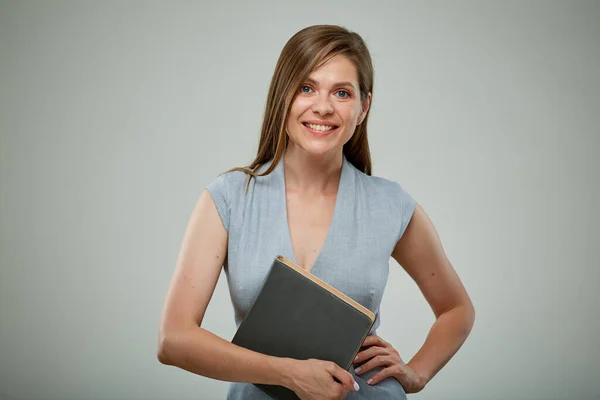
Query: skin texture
{"type": "Point", "coordinates": [312, 173]}
{"type": "Point", "coordinates": [377, 352]}
{"type": "Point", "coordinates": [421, 254]}
{"type": "Point", "coordinates": [322, 98]}
{"type": "Point", "coordinates": [311, 185]}
{"type": "Point", "coordinates": [313, 163]}
{"type": "Point", "coordinates": [183, 342]}
{"type": "Point", "coordinates": [314, 380]}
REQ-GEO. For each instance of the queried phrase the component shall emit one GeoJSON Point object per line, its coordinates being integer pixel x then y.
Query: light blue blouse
{"type": "Point", "coordinates": [370, 215]}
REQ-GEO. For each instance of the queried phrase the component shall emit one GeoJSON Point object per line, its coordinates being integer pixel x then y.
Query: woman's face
{"type": "Point", "coordinates": [327, 108]}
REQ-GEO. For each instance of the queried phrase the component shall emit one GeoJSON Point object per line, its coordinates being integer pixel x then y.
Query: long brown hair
{"type": "Point", "coordinates": [304, 52]}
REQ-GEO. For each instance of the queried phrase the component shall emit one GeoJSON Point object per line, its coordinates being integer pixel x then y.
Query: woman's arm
{"type": "Point", "coordinates": [182, 342]}
{"type": "Point", "coordinates": [419, 251]}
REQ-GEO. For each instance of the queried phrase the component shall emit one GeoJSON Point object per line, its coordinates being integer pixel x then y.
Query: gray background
{"type": "Point", "coordinates": [115, 115]}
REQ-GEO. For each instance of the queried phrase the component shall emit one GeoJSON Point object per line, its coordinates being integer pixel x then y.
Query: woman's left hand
{"type": "Point", "coordinates": [378, 352]}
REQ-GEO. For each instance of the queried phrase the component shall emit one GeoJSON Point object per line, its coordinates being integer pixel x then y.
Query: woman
{"type": "Point", "coordinates": [309, 195]}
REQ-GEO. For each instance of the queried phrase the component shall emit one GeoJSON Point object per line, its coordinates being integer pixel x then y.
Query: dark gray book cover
{"type": "Point", "coordinates": [297, 315]}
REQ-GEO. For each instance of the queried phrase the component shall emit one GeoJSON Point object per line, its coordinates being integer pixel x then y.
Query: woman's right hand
{"type": "Point", "coordinates": [314, 379]}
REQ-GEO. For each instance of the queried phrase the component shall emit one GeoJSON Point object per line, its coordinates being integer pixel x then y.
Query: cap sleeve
{"type": "Point", "coordinates": [407, 205]}
{"type": "Point", "coordinates": [219, 193]}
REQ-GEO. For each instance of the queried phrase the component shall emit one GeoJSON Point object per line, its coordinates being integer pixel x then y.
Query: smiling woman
{"type": "Point", "coordinates": [327, 107]}
{"type": "Point", "coordinates": [309, 196]}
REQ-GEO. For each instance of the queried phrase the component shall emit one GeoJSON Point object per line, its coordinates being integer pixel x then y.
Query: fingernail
{"type": "Point", "coordinates": [357, 370]}
{"type": "Point", "coordinates": [356, 386]}
{"type": "Point", "coordinates": [369, 381]}
{"type": "Point", "coordinates": [356, 358]}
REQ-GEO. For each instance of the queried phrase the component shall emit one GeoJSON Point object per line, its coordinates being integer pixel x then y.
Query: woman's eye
{"type": "Point", "coordinates": [305, 89]}
{"type": "Point", "coordinates": [343, 93]}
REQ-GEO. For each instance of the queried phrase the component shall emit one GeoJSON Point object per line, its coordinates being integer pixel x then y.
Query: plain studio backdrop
{"type": "Point", "coordinates": [114, 116]}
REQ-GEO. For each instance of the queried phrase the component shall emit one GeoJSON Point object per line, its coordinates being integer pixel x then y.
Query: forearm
{"type": "Point", "coordinates": [446, 336]}
{"type": "Point", "coordinates": [204, 353]}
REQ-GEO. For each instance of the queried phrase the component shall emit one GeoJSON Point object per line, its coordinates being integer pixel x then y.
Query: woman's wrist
{"type": "Point", "coordinates": [422, 376]}
{"type": "Point", "coordinates": [284, 371]}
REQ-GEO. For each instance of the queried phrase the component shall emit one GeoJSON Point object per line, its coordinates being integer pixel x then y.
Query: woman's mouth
{"type": "Point", "coordinates": [319, 130]}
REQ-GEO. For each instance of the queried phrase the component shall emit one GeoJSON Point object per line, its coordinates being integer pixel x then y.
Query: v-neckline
{"type": "Point", "coordinates": [336, 210]}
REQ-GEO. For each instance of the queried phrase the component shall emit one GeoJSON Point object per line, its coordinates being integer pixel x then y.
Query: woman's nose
{"type": "Point", "coordinates": [322, 105]}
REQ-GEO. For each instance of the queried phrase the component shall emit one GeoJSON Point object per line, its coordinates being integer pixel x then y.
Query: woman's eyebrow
{"type": "Point", "coordinates": [337, 84]}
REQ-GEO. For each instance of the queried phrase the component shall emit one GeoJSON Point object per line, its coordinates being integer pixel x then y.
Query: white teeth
{"type": "Point", "coordinates": [320, 127]}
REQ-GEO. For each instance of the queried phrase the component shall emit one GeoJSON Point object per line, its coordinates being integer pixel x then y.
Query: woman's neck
{"type": "Point", "coordinates": [310, 174]}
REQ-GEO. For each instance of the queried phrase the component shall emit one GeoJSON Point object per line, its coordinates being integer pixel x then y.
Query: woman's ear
{"type": "Point", "coordinates": [365, 109]}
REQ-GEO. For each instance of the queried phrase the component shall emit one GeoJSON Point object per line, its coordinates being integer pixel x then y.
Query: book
{"type": "Point", "coordinates": [297, 315]}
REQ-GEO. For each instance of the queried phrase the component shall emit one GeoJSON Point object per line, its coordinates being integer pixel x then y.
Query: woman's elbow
{"type": "Point", "coordinates": [469, 316]}
{"type": "Point", "coordinates": [165, 349]}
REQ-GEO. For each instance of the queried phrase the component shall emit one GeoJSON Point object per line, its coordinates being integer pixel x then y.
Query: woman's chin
{"type": "Point", "coordinates": [319, 149]}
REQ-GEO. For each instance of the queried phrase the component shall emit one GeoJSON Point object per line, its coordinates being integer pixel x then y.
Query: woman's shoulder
{"type": "Point", "coordinates": [227, 190]}
{"type": "Point", "coordinates": [235, 181]}
{"type": "Point", "coordinates": [227, 183]}
{"type": "Point", "coordinates": [389, 195]}
{"type": "Point", "coordinates": [380, 185]}
{"type": "Point", "coordinates": [232, 177]}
